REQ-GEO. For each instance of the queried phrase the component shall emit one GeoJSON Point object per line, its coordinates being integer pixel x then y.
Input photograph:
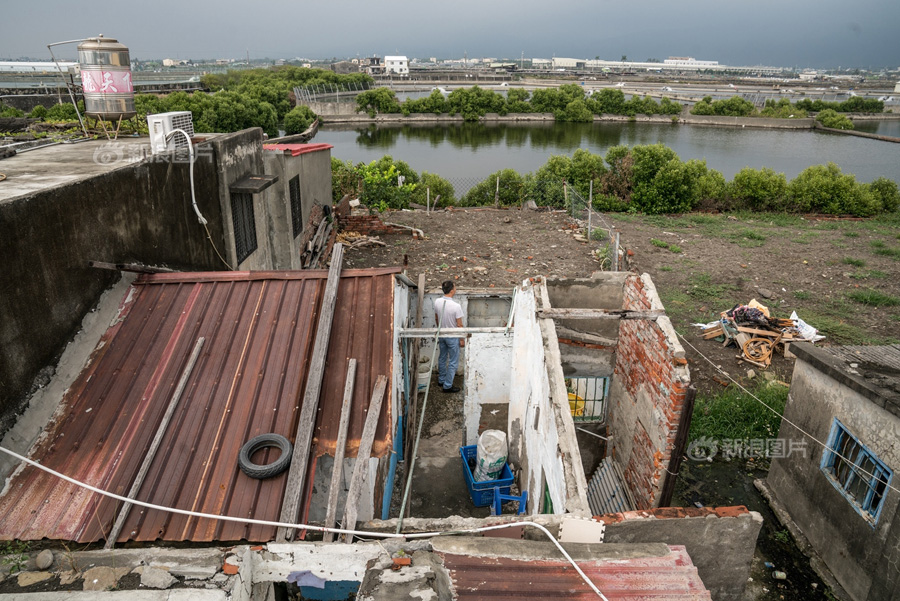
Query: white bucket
{"type": "Point", "coordinates": [424, 373]}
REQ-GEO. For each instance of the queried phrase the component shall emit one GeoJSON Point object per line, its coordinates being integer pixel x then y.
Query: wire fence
{"type": "Point", "coordinates": [329, 91]}
{"type": "Point", "coordinates": [496, 191]}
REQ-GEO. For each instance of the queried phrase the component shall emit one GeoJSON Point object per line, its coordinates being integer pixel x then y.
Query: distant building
{"type": "Point", "coordinates": [689, 62]}
{"type": "Point", "coordinates": [567, 63]}
{"type": "Point", "coordinates": [897, 87]}
{"type": "Point", "coordinates": [373, 65]}
{"type": "Point", "coordinates": [398, 65]}
{"type": "Point", "coordinates": [38, 67]}
{"type": "Point", "coordinates": [345, 67]}
{"type": "Point", "coordinates": [541, 63]}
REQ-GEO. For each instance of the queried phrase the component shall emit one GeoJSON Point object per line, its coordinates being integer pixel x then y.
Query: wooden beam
{"type": "Point", "coordinates": [448, 332]}
{"type": "Point", "coordinates": [599, 314]}
{"type": "Point", "coordinates": [290, 507]}
{"type": "Point", "coordinates": [337, 471]}
{"type": "Point", "coordinates": [361, 466]}
{"type": "Point", "coordinates": [154, 446]}
{"type": "Point", "coordinates": [414, 397]}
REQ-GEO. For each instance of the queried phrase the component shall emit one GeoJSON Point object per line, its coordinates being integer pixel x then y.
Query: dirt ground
{"type": "Point", "coordinates": [839, 275]}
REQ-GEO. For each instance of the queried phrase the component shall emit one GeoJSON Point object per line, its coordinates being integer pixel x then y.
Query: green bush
{"type": "Point", "coordinates": [833, 120]}
{"type": "Point", "coordinates": [475, 102]}
{"type": "Point", "coordinates": [732, 107]}
{"type": "Point", "coordinates": [824, 189]}
{"type": "Point", "coordinates": [885, 191]}
{"type": "Point", "coordinates": [10, 111]}
{"type": "Point", "coordinates": [344, 179]}
{"type": "Point", "coordinates": [758, 190]}
{"type": "Point", "coordinates": [64, 112]}
{"type": "Point", "coordinates": [38, 112]}
{"type": "Point", "coordinates": [379, 100]}
{"type": "Point", "coordinates": [438, 186]}
{"type": "Point", "coordinates": [512, 187]}
{"type": "Point", "coordinates": [380, 187]}
{"type": "Point", "coordinates": [298, 120]}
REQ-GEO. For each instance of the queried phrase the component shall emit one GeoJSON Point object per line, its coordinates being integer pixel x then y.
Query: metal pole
{"type": "Point", "coordinates": [590, 209]}
{"type": "Point", "coordinates": [71, 95]}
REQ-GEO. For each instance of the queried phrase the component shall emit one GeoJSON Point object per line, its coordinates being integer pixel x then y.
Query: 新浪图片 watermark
{"type": "Point", "coordinates": [111, 153]}
{"type": "Point", "coordinates": [705, 448]}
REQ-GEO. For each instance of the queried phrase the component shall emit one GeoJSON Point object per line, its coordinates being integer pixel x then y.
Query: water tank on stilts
{"type": "Point", "coordinates": [106, 79]}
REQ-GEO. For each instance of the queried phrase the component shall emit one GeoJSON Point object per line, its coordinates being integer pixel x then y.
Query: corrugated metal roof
{"type": "Point", "coordinates": [298, 149]}
{"type": "Point", "coordinates": [671, 577]}
{"type": "Point", "coordinates": [249, 379]}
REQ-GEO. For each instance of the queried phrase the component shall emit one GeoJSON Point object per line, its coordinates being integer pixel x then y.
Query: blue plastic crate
{"type": "Point", "coordinates": [482, 493]}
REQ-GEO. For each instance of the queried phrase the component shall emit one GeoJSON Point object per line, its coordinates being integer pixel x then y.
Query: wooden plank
{"type": "Point", "coordinates": [414, 403]}
{"type": "Point", "coordinates": [361, 467]}
{"type": "Point", "coordinates": [154, 446]}
{"type": "Point", "coordinates": [599, 314]}
{"type": "Point", "coordinates": [290, 507]}
{"type": "Point", "coordinates": [758, 332]}
{"type": "Point", "coordinates": [337, 471]}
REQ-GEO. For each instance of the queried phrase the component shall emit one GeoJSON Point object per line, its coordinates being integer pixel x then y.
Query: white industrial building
{"type": "Point", "coordinates": [398, 65]}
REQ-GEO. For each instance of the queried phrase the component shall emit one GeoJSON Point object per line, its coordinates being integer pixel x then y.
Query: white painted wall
{"type": "Point", "coordinates": [533, 435]}
{"type": "Point", "coordinates": [488, 360]}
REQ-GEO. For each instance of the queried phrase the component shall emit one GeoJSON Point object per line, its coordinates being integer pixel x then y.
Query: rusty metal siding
{"type": "Point", "coordinates": [671, 577]}
{"type": "Point", "coordinates": [249, 379]}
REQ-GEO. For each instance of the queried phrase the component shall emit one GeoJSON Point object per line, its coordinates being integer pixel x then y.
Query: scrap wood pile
{"type": "Point", "coordinates": [355, 240]}
{"type": "Point", "coordinates": [757, 334]}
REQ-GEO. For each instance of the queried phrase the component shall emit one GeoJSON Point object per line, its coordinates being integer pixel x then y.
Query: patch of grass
{"type": "Point", "coordinates": [865, 274]}
{"type": "Point", "coordinates": [837, 329]}
{"type": "Point", "coordinates": [773, 219]}
{"type": "Point", "coordinates": [747, 238]}
{"type": "Point", "coordinates": [665, 268]}
{"type": "Point", "coordinates": [702, 288]}
{"type": "Point", "coordinates": [805, 237]}
{"type": "Point", "coordinates": [659, 243]}
{"type": "Point", "coordinates": [735, 415]}
{"type": "Point", "coordinates": [700, 219]}
{"type": "Point", "coordinates": [874, 298]}
{"type": "Point", "coordinates": [878, 244]}
{"type": "Point", "coordinates": [894, 253]}
{"type": "Point", "coordinates": [14, 554]}
{"type": "Point", "coordinates": [851, 234]}
{"type": "Point", "coordinates": [854, 262]}
{"type": "Point", "coordinates": [675, 248]}
{"type": "Point", "coordinates": [802, 295]}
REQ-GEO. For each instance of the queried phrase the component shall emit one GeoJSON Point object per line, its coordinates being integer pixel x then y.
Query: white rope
{"type": "Point", "coordinates": [786, 420]}
{"type": "Point", "coordinates": [226, 518]}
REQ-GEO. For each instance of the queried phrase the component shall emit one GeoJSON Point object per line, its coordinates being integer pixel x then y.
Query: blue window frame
{"type": "Point", "coordinates": [856, 472]}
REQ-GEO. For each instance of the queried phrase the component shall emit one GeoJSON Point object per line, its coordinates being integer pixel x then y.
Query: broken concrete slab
{"type": "Point", "coordinates": [29, 578]}
{"type": "Point", "coordinates": [103, 578]}
{"type": "Point", "coordinates": [199, 564]}
{"type": "Point", "coordinates": [173, 595]}
{"type": "Point", "coordinates": [157, 578]}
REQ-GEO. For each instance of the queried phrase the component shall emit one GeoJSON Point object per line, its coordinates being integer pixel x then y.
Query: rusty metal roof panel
{"type": "Point", "coordinates": [249, 379]}
{"type": "Point", "coordinates": [671, 577]}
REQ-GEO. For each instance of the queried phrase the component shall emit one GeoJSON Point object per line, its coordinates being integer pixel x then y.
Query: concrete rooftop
{"type": "Point", "coordinates": [47, 167]}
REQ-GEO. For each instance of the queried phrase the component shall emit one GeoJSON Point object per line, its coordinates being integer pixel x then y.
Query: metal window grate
{"type": "Point", "coordinates": [296, 212]}
{"type": "Point", "coordinates": [244, 221]}
{"type": "Point", "coordinates": [587, 398]}
{"type": "Point", "coordinates": [856, 472]}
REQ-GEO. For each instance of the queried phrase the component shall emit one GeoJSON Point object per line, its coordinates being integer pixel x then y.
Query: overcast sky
{"type": "Point", "coordinates": [794, 33]}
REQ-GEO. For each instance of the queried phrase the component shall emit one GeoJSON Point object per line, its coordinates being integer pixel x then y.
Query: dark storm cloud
{"type": "Point", "coordinates": [815, 33]}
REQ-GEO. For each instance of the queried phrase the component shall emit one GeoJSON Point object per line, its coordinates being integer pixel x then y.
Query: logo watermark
{"type": "Point", "coordinates": [706, 449]}
{"type": "Point", "coordinates": [111, 153]}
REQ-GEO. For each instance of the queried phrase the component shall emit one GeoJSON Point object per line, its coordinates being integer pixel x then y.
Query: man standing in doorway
{"type": "Point", "coordinates": [448, 313]}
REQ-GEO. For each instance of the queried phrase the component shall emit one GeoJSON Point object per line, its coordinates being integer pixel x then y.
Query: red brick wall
{"type": "Point", "coordinates": [370, 225]}
{"type": "Point", "coordinates": [650, 368]}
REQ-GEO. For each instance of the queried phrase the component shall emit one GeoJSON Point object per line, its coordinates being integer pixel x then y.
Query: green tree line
{"type": "Point", "coordinates": [649, 179]}
{"type": "Point", "coordinates": [567, 103]}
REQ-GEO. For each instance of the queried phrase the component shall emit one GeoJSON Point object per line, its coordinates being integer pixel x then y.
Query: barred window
{"type": "Point", "coordinates": [296, 210]}
{"type": "Point", "coordinates": [244, 221]}
{"type": "Point", "coordinates": [856, 472]}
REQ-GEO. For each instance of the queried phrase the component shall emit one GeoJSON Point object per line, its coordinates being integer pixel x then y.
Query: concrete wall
{"type": "Point", "coordinates": [720, 541]}
{"type": "Point", "coordinates": [140, 212]}
{"type": "Point", "coordinates": [587, 346]}
{"type": "Point", "coordinates": [862, 557]}
{"type": "Point", "coordinates": [541, 432]}
{"type": "Point", "coordinates": [314, 172]}
{"type": "Point", "coordinates": [488, 360]}
{"type": "Point", "coordinates": [647, 394]}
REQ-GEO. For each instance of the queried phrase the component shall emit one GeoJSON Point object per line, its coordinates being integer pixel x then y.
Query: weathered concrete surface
{"type": "Point", "coordinates": [173, 595]}
{"type": "Point", "coordinates": [863, 556]}
{"type": "Point", "coordinates": [425, 579]}
{"type": "Point", "coordinates": [530, 550]}
{"type": "Point", "coordinates": [46, 399]}
{"type": "Point", "coordinates": [156, 578]}
{"type": "Point", "coordinates": [103, 578]}
{"type": "Point", "coordinates": [720, 547]}
{"type": "Point", "coordinates": [24, 579]}
{"type": "Point", "coordinates": [77, 209]}
{"type": "Point", "coordinates": [188, 563]}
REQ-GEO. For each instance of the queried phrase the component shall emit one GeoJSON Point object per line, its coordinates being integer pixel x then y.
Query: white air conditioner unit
{"type": "Point", "coordinates": [162, 124]}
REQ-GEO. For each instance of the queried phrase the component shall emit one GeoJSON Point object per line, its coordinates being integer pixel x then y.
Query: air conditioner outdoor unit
{"type": "Point", "coordinates": [162, 124]}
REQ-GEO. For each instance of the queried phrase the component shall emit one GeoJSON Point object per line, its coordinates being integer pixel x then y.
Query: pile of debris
{"type": "Point", "coordinates": [757, 334]}
{"type": "Point", "coordinates": [352, 239]}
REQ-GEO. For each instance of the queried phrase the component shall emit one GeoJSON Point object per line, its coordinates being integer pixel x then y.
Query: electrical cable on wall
{"type": "Point", "coordinates": [200, 217]}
